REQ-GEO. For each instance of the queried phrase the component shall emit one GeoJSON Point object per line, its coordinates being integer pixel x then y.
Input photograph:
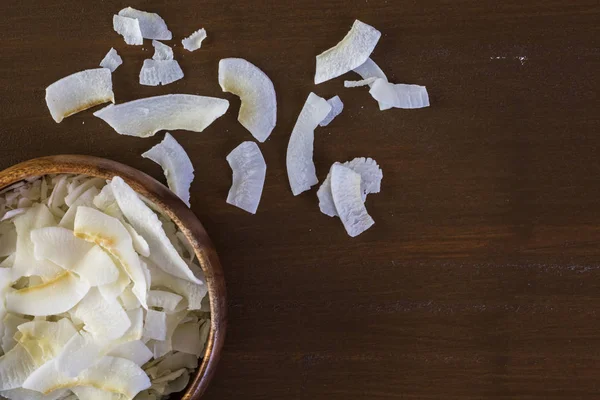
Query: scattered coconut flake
{"type": "Point", "coordinates": [160, 72]}
{"type": "Point", "coordinates": [147, 224]}
{"type": "Point", "coordinates": [53, 297]}
{"type": "Point", "coordinates": [162, 51]}
{"type": "Point", "coordinates": [145, 117]}
{"type": "Point", "coordinates": [176, 165]}
{"type": "Point", "coordinates": [371, 176]}
{"type": "Point", "coordinates": [258, 111]}
{"type": "Point", "coordinates": [363, 82]}
{"type": "Point", "coordinates": [78, 92]}
{"type": "Point", "coordinates": [117, 375]}
{"type": "Point", "coordinates": [112, 60]}
{"type": "Point", "coordinates": [102, 318]}
{"type": "Point", "coordinates": [167, 301]}
{"type": "Point", "coordinates": [194, 41]}
{"type": "Point", "coordinates": [300, 165]}
{"type": "Point", "coordinates": [155, 325]}
{"type": "Point", "coordinates": [347, 197]}
{"type": "Point", "coordinates": [249, 169]}
{"type": "Point", "coordinates": [135, 351]}
{"type": "Point", "coordinates": [336, 109]}
{"type": "Point", "coordinates": [369, 69]}
{"type": "Point", "coordinates": [152, 26]}
{"type": "Point", "coordinates": [399, 95]}
{"type": "Point", "coordinates": [110, 234]}
{"type": "Point", "coordinates": [129, 28]}
{"type": "Point", "coordinates": [350, 53]}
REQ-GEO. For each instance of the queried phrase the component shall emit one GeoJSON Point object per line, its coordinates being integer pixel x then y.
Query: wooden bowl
{"type": "Point", "coordinates": [181, 215]}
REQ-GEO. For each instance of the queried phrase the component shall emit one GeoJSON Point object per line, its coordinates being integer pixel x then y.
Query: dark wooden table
{"type": "Point", "coordinates": [481, 276]}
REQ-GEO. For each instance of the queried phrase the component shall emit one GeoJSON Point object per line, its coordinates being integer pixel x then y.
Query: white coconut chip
{"type": "Point", "coordinates": [110, 234]}
{"type": "Point", "coordinates": [135, 351]}
{"type": "Point", "coordinates": [59, 245]}
{"type": "Point", "coordinates": [347, 197]}
{"type": "Point", "coordinates": [258, 111]}
{"type": "Point", "coordinates": [100, 317]}
{"type": "Point", "coordinates": [155, 325]}
{"type": "Point", "coordinates": [92, 393]}
{"type": "Point", "coordinates": [13, 213]}
{"type": "Point", "coordinates": [11, 323]}
{"type": "Point", "coordinates": [363, 82]}
{"type": "Point", "coordinates": [128, 300]}
{"type": "Point", "coordinates": [117, 375]}
{"type": "Point", "coordinates": [45, 339]}
{"type": "Point", "coordinates": [176, 165]}
{"type": "Point", "coordinates": [86, 200]}
{"type": "Point", "coordinates": [112, 60]}
{"type": "Point", "coordinates": [162, 51]}
{"type": "Point", "coordinates": [177, 361]}
{"type": "Point", "coordinates": [15, 366]}
{"type": "Point", "coordinates": [350, 53]}
{"type": "Point", "coordinates": [300, 165]}
{"type": "Point", "coordinates": [105, 202]}
{"type": "Point", "coordinates": [163, 347]}
{"type": "Point", "coordinates": [167, 301]}
{"type": "Point", "coordinates": [160, 72]}
{"type": "Point", "coordinates": [147, 224]}
{"type": "Point", "coordinates": [336, 109]}
{"type": "Point", "coordinates": [8, 240]}
{"type": "Point", "coordinates": [194, 41]}
{"type": "Point", "coordinates": [80, 352]}
{"type": "Point", "coordinates": [151, 24]}
{"type": "Point", "coordinates": [371, 176]}
{"type": "Point", "coordinates": [249, 169]}
{"type": "Point", "coordinates": [177, 385]}
{"type": "Point", "coordinates": [97, 267]}
{"type": "Point", "coordinates": [139, 243]}
{"type": "Point", "coordinates": [187, 339]}
{"type": "Point", "coordinates": [129, 28]}
{"type": "Point", "coordinates": [25, 394]}
{"type": "Point", "coordinates": [145, 117]}
{"type": "Point", "coordinates": [399, 95]}
{"type": "Point", "coordinates": [53, 297]}
{"type": "Point", "coordinates": [78, 92]}
{"type": "Point", "coordinates": [78, 190]}
{"type": "Point", "coordinates": [192, 292]}
{"type": "Point", "coordinates": [370, 70]}
{"type": "Point", "coordinates": [111, 291]}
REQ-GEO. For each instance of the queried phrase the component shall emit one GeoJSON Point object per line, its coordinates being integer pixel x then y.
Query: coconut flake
{"type": "Point", "coordinates": [111, 291]}
{"type": "Point", "coordinates": [147, 224]}
{"type": "Point", "coordinates": [139, 243]}
{"type": "Point", "coordinates": [249, 170]}
{"type": "Point", "coordinates": [300, 165]}
{"type": "Point", "coordinates": [8, 240]}
{"type": "Point", "coordinates": [45, 339]}
{"type": "Point", "coordinates": [97, 267]}
{"type": "Point", "coordinates": [371, 176]}
{"type": "Point", "coordinates": [15, 366]}
{"type": "Point", "coordinates": [109, 233]}
{"type": "Point", "coordinates": [135, 351]}
{"type": "Point", "coordinates": [399, 95]}
{"type": "Point", "coordinates": [194, 41]}
{"type": "Point", "coordinates": [152, 26]}
{"type": "Point", "coordinates": [162, 51]}
{"type": "Point", "coordinates": [59, 245]}
{"type": "Point", "coordinates": [145, 117]}
{"type": "Point", "coordinates": [155, 325]}
{"type": "Point", "coordinates": [258, 111]}
{"type": "Point", "coordinates": [160, 72]}
{"type": "Point", "coordinates": [336, 109]}
{"type": "Point", "coordinates": [86, 200]}
{"type": "Point", "coordinates": [192, 292]}
{"type": "Point", "coordinates": [363, 82]}
{"type": "Point", "coordinates": [117, 375]}
{"type": "Point", "coordinates": [112, 60]}
{"type": "Point", "coordinates": [13, 213]}
{"type": "Point", "coordinates": [10, 323]}
{"type": "Point", "coordinates": [187, 339]}
{"type": "Point", "coordinates": [78, 92]}
{"type": "Point", "coordinates": [347, 197]}
{"type": "Point", "coordinates": [80, 352]}
{"type": "Point", "coordinates": [102, 318]}
{"type": "Point", "coordinates": [369, 69]}
{"type": "Point", "coordinates": [350, 53]}
{"type": "Point", "coordinates": [167, 301]}
{"type": "Point", "coordinates": [92, 393]}
{"type": "Point", "coordinates": [176, 165]}
{"type": "Point", "coordinates": [129, 28]}
{"type": "Point", "coordinates": [53, 297]}
{"type": "Point", "coordinates": [25, 394]}
{"type": "Point", "coordinates": [177, 361]}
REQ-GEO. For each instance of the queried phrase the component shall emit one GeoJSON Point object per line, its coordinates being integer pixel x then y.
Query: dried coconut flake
{"type": "Point", "coordinates": [336, 109]}
{"type": "Point", "coordinates": [194, 41]}
{"type": "Point", "coordinates": [112, 60]}
{"type": "Point", "coordinates": [162, 51]}
{"type": "Point", "coordinates": [152, 26]}
{"type": "Point", "coordinates": [160, 72]}
{"type": "Point", "coordinates": [346, 192]}
{"type": "Point", "coordinates": [249, 170]}
{"type": "Point", "coordinates": [129, 28]}
{"type": "Point", "coordinates": [399, 95]}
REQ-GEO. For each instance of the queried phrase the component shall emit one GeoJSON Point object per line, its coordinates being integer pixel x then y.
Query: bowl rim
{"type": "Point", "coordinates": [177, 211]}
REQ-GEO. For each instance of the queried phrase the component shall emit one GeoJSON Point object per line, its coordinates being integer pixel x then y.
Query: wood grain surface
{"type": "Point", "coordinates": [481, 276]}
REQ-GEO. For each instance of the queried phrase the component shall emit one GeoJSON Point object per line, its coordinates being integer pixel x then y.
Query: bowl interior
{"type": "Point", "coordinates": [177, 211]}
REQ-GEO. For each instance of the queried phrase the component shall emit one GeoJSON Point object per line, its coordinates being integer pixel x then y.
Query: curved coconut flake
{"type": "Point", "coordinates": [139, 243]}
{"type": "Point", "coordinates": [13, 213]}
{"type": "Point", "coordinates": [177, 361]}
{"type": "Point", "coordinates": [399, 95]}
{"type": "Point", "coordinates": [109, 233]}
{"type": "Point", "coordinates": [105, 202]}
{"type": "Point", "coordinates": [97, 267]}
{"type": "Point", "coordinates": [177, 385]}
{"type": "Point", "coordinates": [78, 92]}
{"type": "Point", "coordinates": [53, 297]}
{"type": "Point", "coordinates": [128, 300]}
{"type": "Point", "coordinates": [347, 197]}
{"type": "Point", "coordinates": [129, 28]}
{"type": "Point", "coordinates": [152, 25]}
{"type": "Point", "coordinates": [79, 190]}
{"type": "Point", "coordinates": [112, 60]}
{"type": "Point", "coordinates": [111, 291]}
{"type": "Point", "coordinates": [155, 325]}
{"type": "Point", "coordinates": [192, 292]}
{"type": "Point", "coordinates": [300, 165]}
{"type": "Point", "coordinates": [86, 200]}
{"type": "Point", "coordinates": [59, 192]}
{"type": "Point", "coordinates": [49, 337]}
{"type": "Point", "coordinates": [351, 52]}
{"type": "Point", "coordinates": [102, 318]}
{"type": "Point", "coordinates": [169, 377]}
{"type": "Point", "coordinates": [145, 117]}
{"type": "Point", "coordinates": [147, 224]}
{"type": "Point", "coordinates": [10, 324]}
{"type": "Point", "coordinates": [160, 72]}
{"type": "Point", "coordinates": [194, 41]}
{"type": "Point", "coordinates": [25, 394]}
{"type": "Point", "coordinates": [187, 339]}
{"type": "Point", "coordinates": [369, 69]}
{"type": "Point", "coordinates": [163, 347]}
{"type": "Point", "coordinates": [249, 169]}
{"type": "Point", "coordinates": [15, 366]}
{"type": "Point", "coordinates": [167, 301]}
{"type": "Point", "coordinates": [176, 165]}
{"type": "Point", "coordinates": [135, 351]}
{"type": "Point", "coordinates": [336, 109]}
{"type": "Point", "coordinates": [162, 51]}
{"type": "Point", "coordinates": [117, 375]}
{"type": "Point", "coordinates": [136, 329]}
{"type": "Point", "coordinates": [258, 111]}
{"type": "Point", "coordinates": [80, 352]}
{"type": "Point", "coordinates": [363, 82]}
{"type": "Point", "coordinates": [371, 176]}
{"type": "Point", "coordinates": [59, 245]}
{"type": "Point", "coordinates": [91, 393]}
